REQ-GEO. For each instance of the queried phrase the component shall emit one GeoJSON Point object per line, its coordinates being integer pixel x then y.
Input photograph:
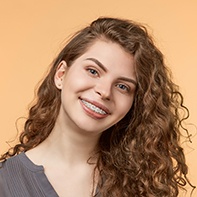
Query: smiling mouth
{"type": "Point", "coordinates": [94, 108]}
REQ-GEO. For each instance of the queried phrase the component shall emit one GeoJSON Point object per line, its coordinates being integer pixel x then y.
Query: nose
{"type": "Point", "coordinates": [104, 90]}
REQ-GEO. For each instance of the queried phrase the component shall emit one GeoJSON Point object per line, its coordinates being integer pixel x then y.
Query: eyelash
{"type": "Point", "coordinates": [93, 71]}
{"type": "Point", "coordinates": [122, 87]}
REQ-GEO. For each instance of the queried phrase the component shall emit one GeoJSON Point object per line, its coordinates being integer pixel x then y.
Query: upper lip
{"type": "Point", "coordinates": [99, 105]}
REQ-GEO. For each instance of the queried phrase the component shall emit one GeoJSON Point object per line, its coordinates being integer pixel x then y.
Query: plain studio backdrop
{"type": "Point", "coordinates": [33, 32]}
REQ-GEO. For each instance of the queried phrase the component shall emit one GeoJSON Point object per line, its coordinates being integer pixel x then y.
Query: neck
{"type": "Point", "coordinates": [66, 146]}
{"type": "Point", "coordinates": [72, 146]}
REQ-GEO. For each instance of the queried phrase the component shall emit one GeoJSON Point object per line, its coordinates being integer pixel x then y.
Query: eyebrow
{"type": "Point", "coordinates": [105, 69]}
{"type": "Point", "coordinates": [128, 80]}
{"type": "Point", "coordinates": [98, 63]}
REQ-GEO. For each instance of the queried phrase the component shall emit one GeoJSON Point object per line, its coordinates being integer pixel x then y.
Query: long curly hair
{"type": "Point", "coordinates": [140, 155]}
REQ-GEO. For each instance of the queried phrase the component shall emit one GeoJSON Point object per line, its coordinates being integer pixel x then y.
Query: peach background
{"type": "Point", "coordinates": [32, 33]}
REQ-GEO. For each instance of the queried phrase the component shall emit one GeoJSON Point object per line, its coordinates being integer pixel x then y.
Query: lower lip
{"type": "Point", "coordinates": [91, 113]}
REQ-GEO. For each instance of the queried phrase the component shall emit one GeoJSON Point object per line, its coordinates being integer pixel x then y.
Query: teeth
{"type": "Point", "coordinates": [94, 108]}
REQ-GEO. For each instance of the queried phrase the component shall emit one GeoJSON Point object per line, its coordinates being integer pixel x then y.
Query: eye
{"type": "Point", "coordinates": [92, 71]}
{"type": "Point", "coordinates": [123, 87]}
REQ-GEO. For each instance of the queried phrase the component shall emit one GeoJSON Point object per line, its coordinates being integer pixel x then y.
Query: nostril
{"type": "Point", "coordinates": [103, 95]}
{"type": "Point", "coordinates": [103, 90]}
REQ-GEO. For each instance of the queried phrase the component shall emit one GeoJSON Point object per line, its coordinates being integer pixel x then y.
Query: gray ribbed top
{"type": "Point", "coordinates": [20, 177]}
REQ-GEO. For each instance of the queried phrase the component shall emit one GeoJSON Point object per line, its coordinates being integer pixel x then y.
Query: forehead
{"type": "Point", "coordinates": [106, 48]}
{"type": "Point", "coordinates": [112, 56]}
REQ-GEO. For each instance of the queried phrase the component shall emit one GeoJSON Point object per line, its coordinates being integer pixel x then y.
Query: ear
{"type": "Point", "coordinates": [60, 73]}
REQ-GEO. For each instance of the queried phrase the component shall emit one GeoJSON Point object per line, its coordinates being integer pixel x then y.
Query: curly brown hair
{"type": "Point", "coordinates": [140, 155]}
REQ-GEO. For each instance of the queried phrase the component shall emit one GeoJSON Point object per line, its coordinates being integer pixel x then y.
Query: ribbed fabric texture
{"type": "Point", "coordinates": [19, 177]}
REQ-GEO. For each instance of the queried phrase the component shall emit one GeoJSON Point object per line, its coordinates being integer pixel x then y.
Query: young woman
{"type": "Point", "coordinates": [106, 122]}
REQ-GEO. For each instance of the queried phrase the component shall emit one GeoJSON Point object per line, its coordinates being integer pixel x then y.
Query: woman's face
{"type": "Point", "coordinates": [98, 89]}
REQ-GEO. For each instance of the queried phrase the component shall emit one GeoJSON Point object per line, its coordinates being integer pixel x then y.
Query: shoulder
{"type": "Point", "coordinates": [10, 165]}
{"type": "Point", "coordinates": [20, 177]}
{"type": "Point", "coordinates": [4, 179]}
{"type": "Point", "coordinates": [18, 165]}
{"type": "Point", "coordinates": [16, 174]}
{"type": "Point", "coordinates": [9, 168]}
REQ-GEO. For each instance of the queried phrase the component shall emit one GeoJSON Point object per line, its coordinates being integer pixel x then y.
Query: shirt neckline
{"type": "Point", "coordinates": [39, 174]}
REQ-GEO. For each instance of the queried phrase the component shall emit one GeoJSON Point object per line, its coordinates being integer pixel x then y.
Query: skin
{"type": "Point", "coordinates": [104, 76]}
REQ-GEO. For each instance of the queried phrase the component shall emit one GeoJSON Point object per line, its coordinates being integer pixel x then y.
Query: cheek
{"type": "Point", "coordinates": [79, 79]}
{"type": "Point", "coordinates": [125, 105]}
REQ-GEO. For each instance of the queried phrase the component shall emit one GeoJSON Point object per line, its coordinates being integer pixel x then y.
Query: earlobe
{"type": "Point", "coordinates": [59, 75]}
